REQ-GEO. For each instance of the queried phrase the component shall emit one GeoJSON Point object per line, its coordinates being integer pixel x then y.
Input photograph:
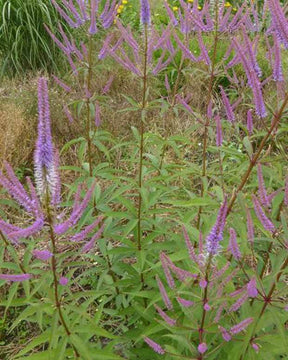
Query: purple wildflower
{"type": "Point", "coordinates": [228, 108]}
{"type": "Point", "coordinates": [29, 231]}
{"type": "Point", "coordinates": [62, 84]}
{"type": "Point", "coordinates": [250, 121]}
{"type": "Point", "coordinates": [156, 347]}
{"type": "Point", "coordinates": [267, 224]}
{"type": "Point", "coordinates": [68, 114]}
{"type": "Point", "coordinates": [164, 294]}
{"type": "Point", "coordinates": [165, 317]}
{"type": "Point", "coordinates": [279, 22]}
{"type": "Point", "coordinates": [255, 347]}
{"type": "Point", "coordinates": [93, 27]}
{"type": "Point", "coordinates": [233, 246]}
{"type": "Point", "coordinates": [219, 312]}
{"type": "Point", "coordinates": [203, 283]}
{"type": "Point", "coordinates": [238, 303]}
{"type": "Point", "coordinates": [107, 86]}
{"type": "Point", "coordinates": [277, 66]}
{"type": "Point", "coordinates": [216, 234]}
{"type": "Point", "coordinates": [84, 233]}
{"type": "Point", "coordinates": [145, 12]}
{"type": "Point", "coordinates": [63, 281]}
{"type": "Point", "coordinates": [87, 247]}
{"type": "Point", "coordinates": [252, 288]}
{"type": "Point", "coordinates": [207, 307]}
{"type": "Point", "coordinates": [164, 261]}
{"type": "Point", "coordinates": [184, 302]}
{"type": "Point", "coordinates": [46, 172]}
{"type": "Point", "coordinates": [262, 190]}
{"type": "Point", "coordinates": [202, 348]}
{"type": "Point", "coordinates": [189, 246]}
{"type": "Point", "coordinates": [225, 334]}
{"type": "Point", "coordinates": [42, 254]}
{"type": "Point", "coordinates": [241, 326]}
{"type": "Point", "coordinates": [15, 278]}
{"type": "Point", "coordinates": [250, 228]}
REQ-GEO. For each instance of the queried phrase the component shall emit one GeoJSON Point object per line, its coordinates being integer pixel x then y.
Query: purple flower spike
{"type": "Point", "coordinates": [86, 248]}
{"type": "Point", "coordinates": [203, 283]}
{"type": "Point", "coordinates": [97, 115]}
{"type": "Point", "coordinates": [61, 84]}
{"type": "Point", "coordinates": [46, 172]}
{"type": "Point", "coordinates": [225, 334]}
{"type": "Point", "coordinates": [267, 224]}
{"type": "Point", "coordinates": [207, 307]}
{"type": "Point", "coordinates": [250, 122]}
{"type": "Point", "coordinates": [233, 246]}
{"type": "Point", "coordinates": [241, 326]}
{"type": "Point", "coordinates": [262, 190]}
{"type": "Point", "coordinates": [164, 294]}
{"type": "Point", "coordinates": [238, 303]}
{"type": "Point", "coordinates": [279, 21]}
{"type": "Point", "coordinates": [255, 347]}
{"type": "Point", "coordinates": [63, 281]}
{"type": "Point", "coordinates": [93, 27]}
{"type": "Point", "coordinates": [15, 278]}
{"type": "Point", "coordinates": [184, 302]}
{"type": "Point", "coordinates": [228, 108]}
{"type": "Point", "coordinates": [165, 265]}
{"type": "Point", "coordinates": [145, 12]}
{"type": "Point", "coordinates": [164, 316]}
{"type": "Point", "coordinates": [216, 233]}
{"type": "Point", "coordinates": [42, 254]}
{"type": "Point", "coordinates": [252, 288]}
{"type": "Point", "coordinates": [202, 348]}
{"type": "Point", "coordinates": [156, 347]}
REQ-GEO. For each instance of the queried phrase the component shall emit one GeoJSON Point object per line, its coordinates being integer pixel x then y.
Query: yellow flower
{"type": "Point", "coordinates": [175, 8]}
{"type": "Point", "coordinates": [227, 4]}
{"type": "Point", "coordinates": [199, 7]}
{"type": "Point", "coordinates": [124, 2]}
{"type": "Point", "coordinates": [234, 9]}
{"type": "Point", "coordinates": [119, 10]}
{"type": "Point", "coordinates": [121, 7]}
{"type": "Point", "coordinates": [190, 1]}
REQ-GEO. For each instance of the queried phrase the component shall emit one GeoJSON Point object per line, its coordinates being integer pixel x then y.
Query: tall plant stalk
{"type": "Point", "coordinates": [88, 118]}
{"type": "Point", "coordinates": [54, 272]}
{"type": "Point", "coordinates": [141, 150]}
{"type": "Point", "coordinates": [209, 98]}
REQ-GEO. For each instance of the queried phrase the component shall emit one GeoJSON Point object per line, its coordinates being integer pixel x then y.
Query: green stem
{"type": "Point", "coordinates": [54, 272]}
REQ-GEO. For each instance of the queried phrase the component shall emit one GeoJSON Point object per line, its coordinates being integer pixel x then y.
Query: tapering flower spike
{"type": "Point", "coordinates": [45, 163]}
{"type": "Point", "coordinates": [262, 189]}
{"type": "Point", "coordinates": [233, 246]}
{"type": "Point", "coordinates": [216, 233]}
{"type": "Point", "coordinates": [145, 16]}
{"type": "Point", "coordinates": [15, 278]}
{"type": "Point", "coordinates": [250, 121]}
{"type": "Point", "coordinates": [156, 347]}
{"type": "Point", "coordinates": [279, 21]}
{"type": "Point", "coordinates": [219, 136]}
{"type": "Point", "coordinates": [286, 192]}
{"type": "Point", "coordinates": [164, 294]}
{"type": "Point", "coordinates": [225, 334]}
{"type": "Point", "coordinates": [241, 326]}
{"type": "Point", "coordinates": [250, 228]}
{"type": "Point", "coordinates": [228, 108]}
{"type": "Point", "coordinates": [164, 316]}
{"type": "Point", "coordinates": [267, 224]}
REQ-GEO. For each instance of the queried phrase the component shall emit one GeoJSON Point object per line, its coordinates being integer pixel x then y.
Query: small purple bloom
{"type": "Point", "coordinates": [202, 348]}
{"type": "Point", "coordinates": [165, 317]}
{"type": "Point", "coordinates": [164, 294]}
{"type": "Point", "coordinates": [203, 283]}
{"type": "Point", "coordinates": [207, 307]}
{"type": "Point", "coordinates": [63, 281]}
{"type": "Point", "coordinates": [225, 334]}
{"type": "Point", "coordinates": [184, 302]}
{"type": "Point", "coordinates": [233, 246]}
{"type": "Point", "coordinates": [255, 347]}
{"type": "Point", "coordinates": [252, 288]}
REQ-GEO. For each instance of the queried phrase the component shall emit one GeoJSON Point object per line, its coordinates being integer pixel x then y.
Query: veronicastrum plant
{"type": "Point", "coordinates": [220, 294]}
